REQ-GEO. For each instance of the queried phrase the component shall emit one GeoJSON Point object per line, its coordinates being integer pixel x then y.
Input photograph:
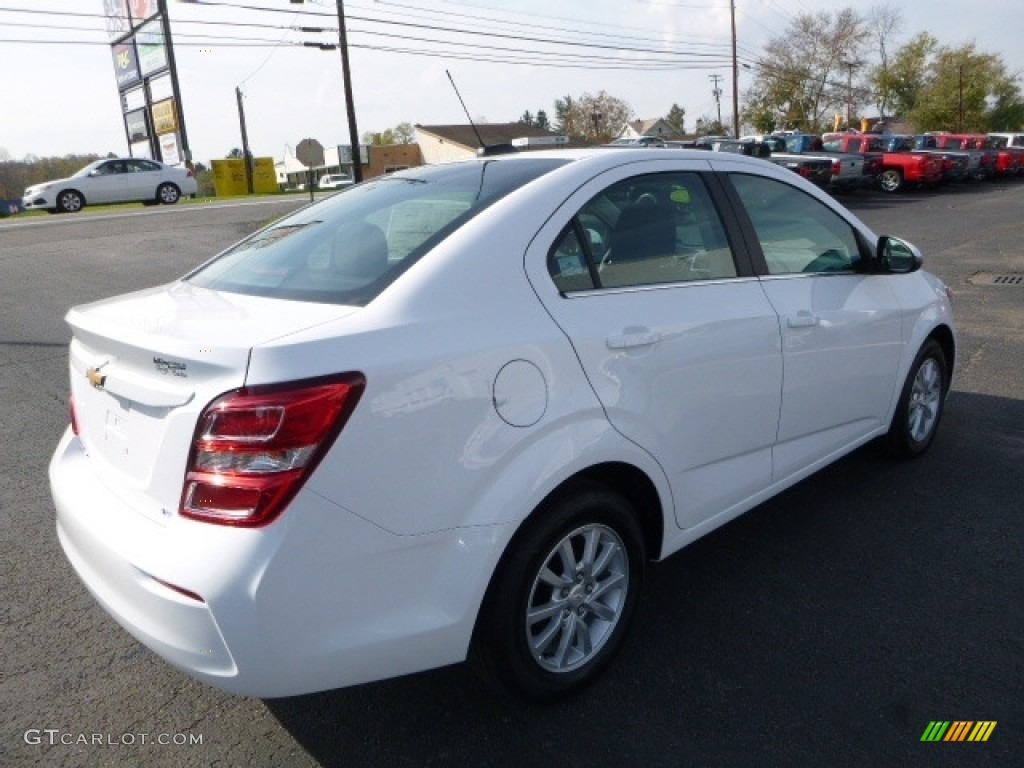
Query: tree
{"type": "Point", "coordinates": [592, 118]}
{"type": "Point", "coordinates": [900, 82]}
{"type": "Point", "coordinates": [710, 126]}
{"type": "Point", "coordinates": [404, 133]}
{"type": "Point", "coordinates": [234, 152]}
{"type": "Point", "coordinates": [540, 120]}
{"type": "Point", "coordinates": [966, 90]}
{"type": "Point", "coordinates": [805, 75]}
{"type": "Point", "coordinates": [883, 22]}
{"type": "Point", "coordinates": [676, 118]}
{"type": "Point", "coordinates": [563, 108]}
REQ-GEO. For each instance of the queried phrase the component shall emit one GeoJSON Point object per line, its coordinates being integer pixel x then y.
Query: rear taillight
{"type": "Point", "coordinates": [254, 447]}
{"type": "Point", "coordinates": [837, 168]}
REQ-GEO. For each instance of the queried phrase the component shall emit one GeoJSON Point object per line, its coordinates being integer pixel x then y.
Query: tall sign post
{"type": "Point", "coordinates": [310, 153]}
{"type": "Point", "coordinates": [147, 81]}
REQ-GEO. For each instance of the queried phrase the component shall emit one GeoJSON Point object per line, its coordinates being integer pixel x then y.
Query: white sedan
{"type": "Point", "coordinates": [454, 412]}
{"type": "Point", "coordinates": [116, 180]}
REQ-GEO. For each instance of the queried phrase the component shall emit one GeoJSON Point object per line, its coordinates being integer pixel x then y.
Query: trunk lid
{"type": "Point", "coordinates": [144, 365]}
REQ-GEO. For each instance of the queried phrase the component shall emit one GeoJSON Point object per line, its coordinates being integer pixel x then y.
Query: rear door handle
{"type": "Point", "coordinates": [632, 339]}
{"type": "Point", "coordinates": [803, 319]}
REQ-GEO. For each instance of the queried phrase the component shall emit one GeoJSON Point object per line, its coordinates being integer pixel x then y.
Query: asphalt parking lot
{"type": "Point", "coordinates": [827, 627]}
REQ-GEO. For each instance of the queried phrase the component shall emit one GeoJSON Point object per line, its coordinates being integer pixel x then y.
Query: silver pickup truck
{"type": "Point", "coordinates": [847, 168]}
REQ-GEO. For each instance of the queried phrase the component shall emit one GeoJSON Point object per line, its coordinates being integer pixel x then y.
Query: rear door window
{"type": "Point", "coordinates": [646, 230]}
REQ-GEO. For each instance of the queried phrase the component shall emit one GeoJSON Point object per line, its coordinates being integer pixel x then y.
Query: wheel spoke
{"type": "Point", "coordinates": [552, 579]}
{"type": "Point", "coordinates": [610, 550]}
{"type": "Point", "coordinates": [583, 641]}
{"type": "Point", "coordinates": [540, 643]}
{"type": "Point", "coordinates": [545, 612]}
{"type": "Point", "coordinates": [591, 539]}
{"type": "Point", "coordinates": [568, 558]}
{"type": "Point", "coordinates": [565, 641]}
{"type": "Point", "coordinates": [602, 611]}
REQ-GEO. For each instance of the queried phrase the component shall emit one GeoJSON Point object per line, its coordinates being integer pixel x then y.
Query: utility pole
{"type": "Point", "coordinates": [350, 110]}
{"type": "Point", "coordinates": [245, 141]}
{"type": "Point", "coordinates": [850, 66]}
{"type": "Point", "coordinates": [735, 76]}
{"type": "Point", "coordinates": [717, 93]}
{"type": "Point", "coordinates": [960, 100]}
{"type": "Point", "coordinates": [353, 134]}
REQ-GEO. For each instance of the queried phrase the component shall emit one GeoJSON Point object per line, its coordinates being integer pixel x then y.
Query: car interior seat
{"type": "Point", "coordinates": [360, 251]}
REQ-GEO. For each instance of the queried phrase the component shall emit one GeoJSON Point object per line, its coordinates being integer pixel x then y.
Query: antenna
{"type": "Point", "coordinates": [478, 137]}
{"type": "Point", "coordinates": [496, 149]}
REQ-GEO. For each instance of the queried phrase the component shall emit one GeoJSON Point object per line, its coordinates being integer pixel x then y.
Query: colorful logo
{"type": "Point", "coordinates": [958, 730]}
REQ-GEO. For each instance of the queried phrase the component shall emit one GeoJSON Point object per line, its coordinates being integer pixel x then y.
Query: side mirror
{"type": "Point", "coordinates": [895, 256]}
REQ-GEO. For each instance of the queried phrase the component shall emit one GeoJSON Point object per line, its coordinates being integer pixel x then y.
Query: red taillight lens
{"type": "Point", "coordinates": [837, 167]}
{"type": "Point", "coordinates": [254, 447]}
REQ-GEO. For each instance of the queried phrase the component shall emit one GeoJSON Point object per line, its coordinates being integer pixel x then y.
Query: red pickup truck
{"type": "Point", "coordinates": [1008, 161]}
{"type": "Point", "coordinates": [901, 166]}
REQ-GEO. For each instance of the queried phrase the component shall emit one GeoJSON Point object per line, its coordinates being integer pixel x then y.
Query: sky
{"type": "Point", "coordinates": [58, 93]}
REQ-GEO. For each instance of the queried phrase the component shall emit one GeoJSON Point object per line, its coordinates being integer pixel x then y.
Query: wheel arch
{"type": "Point", "coordinates": [631, 482]}
{"type": "Point", "coordinates": [65, 190]}
{"type": "Point", "coordinates": [944, 336]}
{"type": "Point", "coordinates": [163, 184]}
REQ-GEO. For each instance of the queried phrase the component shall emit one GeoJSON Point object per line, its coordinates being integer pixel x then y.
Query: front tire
{"type": "Point", "coordinates": [919, 410]}
{"type": "Point", "coordinates": [560, 603]}
{"type": "Point", "coordinates": [168, 194]}
{"type": "Point", "coordinates": [70, 201]}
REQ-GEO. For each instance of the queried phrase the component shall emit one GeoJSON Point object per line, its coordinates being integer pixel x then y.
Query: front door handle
{"type": "Point", "coordinates": [633, 338]}
{"type": "Point", "coordinates": [803, 319]}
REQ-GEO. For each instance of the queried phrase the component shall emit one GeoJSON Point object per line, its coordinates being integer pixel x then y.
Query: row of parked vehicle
{"type": "Point", "coordinates": [886, 161]}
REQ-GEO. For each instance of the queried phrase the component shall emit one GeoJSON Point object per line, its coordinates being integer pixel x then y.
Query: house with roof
{"type": "Point", "coordinates": [657, 126]}
{"type": "Point", "coordinates": [443, 143]}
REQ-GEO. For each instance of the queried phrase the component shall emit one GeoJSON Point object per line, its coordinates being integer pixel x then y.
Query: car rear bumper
{"type": "Point", "coordinates": [320, 599]}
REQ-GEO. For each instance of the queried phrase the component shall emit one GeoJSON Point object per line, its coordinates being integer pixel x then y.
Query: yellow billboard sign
{"type": "Point", "coordinates": [229, 176]}
{"type": "Point", "coordinates": [165, 117]}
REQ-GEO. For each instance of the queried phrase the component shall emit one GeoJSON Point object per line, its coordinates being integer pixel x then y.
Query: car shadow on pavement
{"type": "Point", "coordinates": [827, 626]}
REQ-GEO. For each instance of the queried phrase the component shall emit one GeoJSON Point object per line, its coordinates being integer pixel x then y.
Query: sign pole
{"type": "Point", "coordinates": [165, 25]}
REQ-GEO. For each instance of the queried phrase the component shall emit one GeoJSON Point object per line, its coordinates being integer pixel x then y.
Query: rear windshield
{"type": "Point", "coordinates": [351, 246]}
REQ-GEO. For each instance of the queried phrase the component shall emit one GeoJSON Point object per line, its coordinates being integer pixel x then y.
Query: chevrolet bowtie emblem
{"type": "Point", "coordinates": [95, 378]}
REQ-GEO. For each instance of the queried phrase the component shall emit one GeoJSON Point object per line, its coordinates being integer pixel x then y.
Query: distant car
{"type": "Point", "coordinates": [454, 411]}
{"type": "Point", "coordinates": [335, 181]}
{"type": "Point", "coordinates": [119, 180]}
{"type": "Point", "coordinates": [638, 141]}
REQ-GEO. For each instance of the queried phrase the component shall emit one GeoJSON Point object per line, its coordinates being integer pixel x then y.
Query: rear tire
{"type": "Point", "coordinates": [891, 180]}
{"type": "Point", "coordinates": [561, 600]}
{"type": "Point", "coordinates": [919, 410]}
{"type": "Point", "coordinates": [168, 194]}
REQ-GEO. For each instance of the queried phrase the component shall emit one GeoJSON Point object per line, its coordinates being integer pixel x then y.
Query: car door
{"type": "Point", "coordinates": [840, 324]}
{"type": "Point", "coordinates": [106, 183]}
{"type": "Point", "coordinates": [672, 329]}
{"type": "Point", "coordinates": [141, 180]}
